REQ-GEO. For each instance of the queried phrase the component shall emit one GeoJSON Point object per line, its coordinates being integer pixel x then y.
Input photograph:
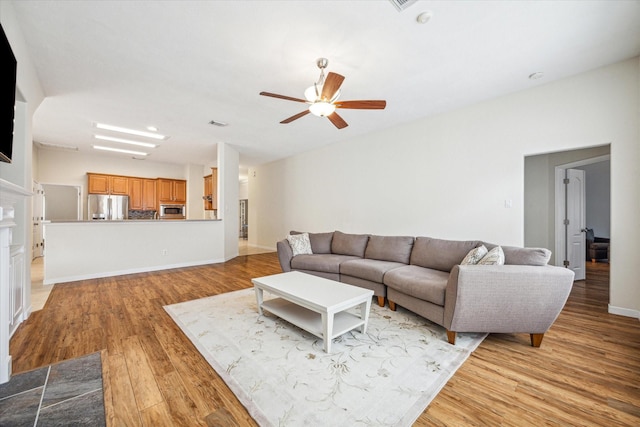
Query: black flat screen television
{"type": "Point", "coordinates": [7, 97]}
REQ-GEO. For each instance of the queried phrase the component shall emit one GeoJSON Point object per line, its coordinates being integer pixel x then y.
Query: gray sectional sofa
{"type": "Point", "coordinates": [519, 294]}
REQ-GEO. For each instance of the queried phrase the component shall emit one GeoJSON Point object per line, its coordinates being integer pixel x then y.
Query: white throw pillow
{"type": "Point", "coordinates": [475, 255]}
{"type": "Point", "coordinates": [300, 243]}
{"type": "Point", "coordinates": [494, 257]}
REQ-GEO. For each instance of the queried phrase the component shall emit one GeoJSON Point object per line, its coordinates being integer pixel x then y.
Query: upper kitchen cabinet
{"type": "Point", "coordinates": [210, 188]}
{"type": "Point", "coordinates": [142, 194]}
{"type": "Point", "coordinates": [172, 190]}
{"type": "Point", "coordinates": [108, 184]}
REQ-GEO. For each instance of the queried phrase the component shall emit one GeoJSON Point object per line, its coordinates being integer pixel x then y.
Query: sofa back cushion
{"type": "Point", "coordinates": [320, 242]}
{"type": "Point", "coordinates": [389, 248]}
{"type": "Point", "coordinates": [349, 244]}
{"type": "Point", "coordinates": [440, 254]}
{"type": "Point", "coordinates": [514, 255]}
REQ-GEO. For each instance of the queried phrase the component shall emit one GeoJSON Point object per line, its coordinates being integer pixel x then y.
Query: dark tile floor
{"type": "Point", "coordinates": [68, 393]}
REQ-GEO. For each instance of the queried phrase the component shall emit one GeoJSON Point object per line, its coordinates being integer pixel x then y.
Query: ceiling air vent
{"type": "Point", "coordinates": [401, 5]}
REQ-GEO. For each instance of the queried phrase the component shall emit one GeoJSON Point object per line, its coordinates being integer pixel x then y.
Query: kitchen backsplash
{"type": "Point", "coordinates": [142, 214]}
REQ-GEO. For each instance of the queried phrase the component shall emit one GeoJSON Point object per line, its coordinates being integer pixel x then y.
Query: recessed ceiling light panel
{"type": "Point", "coordinates": [129, 131]}
{"type": "Point", "coordinates": [120, 150]}
{"type": "Point", "coordinates": [125, 141]}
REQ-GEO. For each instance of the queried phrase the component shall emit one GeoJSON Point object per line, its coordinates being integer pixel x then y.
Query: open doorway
{"type": "Point", "coordinates": [62, 202]}
{"type": "Point", "coordinates": [51, 202]}
{"type": "Point", "coordinates": [545, 205]}
{"type": "Point", "coordinates": [583, 206]}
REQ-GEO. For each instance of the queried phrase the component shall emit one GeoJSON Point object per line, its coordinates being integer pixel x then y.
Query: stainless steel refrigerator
{"type": "Point", "coordinates": [107, 207]}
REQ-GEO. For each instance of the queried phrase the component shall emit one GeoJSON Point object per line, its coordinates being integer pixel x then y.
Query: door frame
{"type": "Point", "coordinates": [560, 235]}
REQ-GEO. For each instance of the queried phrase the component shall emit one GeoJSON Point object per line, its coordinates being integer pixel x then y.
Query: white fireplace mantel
{"type": "Point", "coordinates": [10, 195]}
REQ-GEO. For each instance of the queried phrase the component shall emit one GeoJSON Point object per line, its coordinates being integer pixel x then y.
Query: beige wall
{"type": "Point", "coordinates": [449, 175]}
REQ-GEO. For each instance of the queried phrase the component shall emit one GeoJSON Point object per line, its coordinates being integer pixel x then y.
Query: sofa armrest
{"type": "Point", "coordinates": [505, 298]}
{"type": "Point", "coordinates": [285, 254]}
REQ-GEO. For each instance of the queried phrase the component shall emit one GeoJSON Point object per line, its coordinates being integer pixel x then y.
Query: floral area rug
{"type": "Point", "coordinates": [281, 374]}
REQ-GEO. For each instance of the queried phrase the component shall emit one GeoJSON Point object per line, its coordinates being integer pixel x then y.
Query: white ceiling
{"type": "Point", "coordinates": [179, 64]}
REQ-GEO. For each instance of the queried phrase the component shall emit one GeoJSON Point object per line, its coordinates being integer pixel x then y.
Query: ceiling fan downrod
{"type": "Point", "coordinates": [322, 64]}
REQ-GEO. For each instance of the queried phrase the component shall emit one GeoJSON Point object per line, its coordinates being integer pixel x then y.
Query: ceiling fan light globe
{"type": "Point", "coordinates": [310, 93]}
{"type": "Point", "coordinates": [322, 109]}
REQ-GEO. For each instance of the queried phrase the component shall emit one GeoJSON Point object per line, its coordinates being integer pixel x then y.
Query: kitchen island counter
{"type": "Point", "coordinates": [78, 250]}
{"type": "Point", "coordinates": [120, 221]}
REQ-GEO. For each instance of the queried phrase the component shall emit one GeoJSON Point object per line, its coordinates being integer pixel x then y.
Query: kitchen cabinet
{"type": "Point", "coordinates": [142, 194]}
{"type": "Point", "coordinates": [108, 184]}
{"type": "Point", "coordinates": [172, 191]}
{"type": "Point", "coordinates": [210, 190]}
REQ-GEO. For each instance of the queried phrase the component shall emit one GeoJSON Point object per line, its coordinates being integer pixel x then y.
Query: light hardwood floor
{"type": "Point", "coordinates": [40, 293]}
{"type": "Point", "coordinates": [586, 373]}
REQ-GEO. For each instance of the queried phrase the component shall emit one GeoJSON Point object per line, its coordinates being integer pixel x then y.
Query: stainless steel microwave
{"type": "Point", "coordinates": [172, 212]}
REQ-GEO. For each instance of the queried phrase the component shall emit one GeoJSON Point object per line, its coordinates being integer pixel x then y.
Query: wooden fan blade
{"type": "Point", "coordinates": [296, 117]}
{"type": "Point", "coordinates": [288, 98]}
{"type": "Point", "coordinates": [331, 85]}
{"type": "Point", "coordinates": [362, 105]}
{"type": "Point", "coordinates": [337, 120]}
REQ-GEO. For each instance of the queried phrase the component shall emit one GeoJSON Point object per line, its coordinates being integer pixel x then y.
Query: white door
{"type": "Point", "coordinates": [38, 217]}
{"type": "Point", "coordinates": [575, 222]}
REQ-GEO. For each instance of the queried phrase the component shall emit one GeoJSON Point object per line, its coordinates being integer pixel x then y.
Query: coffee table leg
{"type": "Point", "coordinates": [364, 314]}
{"type": "Point", "coordinates": [258, 298]}
{"type": "Point", "coordinates": [327, 330]}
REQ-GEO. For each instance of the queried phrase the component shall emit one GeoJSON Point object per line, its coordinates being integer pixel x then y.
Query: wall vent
{"type": "Point", "coordinates": [401, 5]}
{"type": "Point", "coordinates": [55, 146]}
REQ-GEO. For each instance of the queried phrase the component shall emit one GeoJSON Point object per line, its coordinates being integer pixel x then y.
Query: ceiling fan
{"type": "Point", "coordinates": [322, 98]}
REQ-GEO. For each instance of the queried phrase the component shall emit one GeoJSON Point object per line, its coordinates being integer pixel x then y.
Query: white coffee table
{"type": "Point", "coordinates": [317, 305]}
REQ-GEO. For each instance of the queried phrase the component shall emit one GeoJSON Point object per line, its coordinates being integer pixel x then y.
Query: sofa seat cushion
{"type": "Point", "coordinates": [389, 248]}
{"type": "Point", "coordinates": [423, 283]}
{"type": "Point", "coordinates": [368, 269]}
{"type": "Point", "coordinates": [440, 254]}
{"type": "Point", "coordinates": [329, 263]}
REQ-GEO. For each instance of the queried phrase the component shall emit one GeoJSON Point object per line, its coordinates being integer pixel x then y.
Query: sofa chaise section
{"type": "Point", "coordinates": [505, 299]}
{"type": "Point", "coordinates": [523, 296]}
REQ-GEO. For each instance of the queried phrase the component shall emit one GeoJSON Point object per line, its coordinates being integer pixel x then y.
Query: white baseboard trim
{"type": "Point", "coordinates": [621, 311]}
{"type": "Point", "coordinates": [266, 248]}
{"type": "Point", "coordinates": [129, 271]}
